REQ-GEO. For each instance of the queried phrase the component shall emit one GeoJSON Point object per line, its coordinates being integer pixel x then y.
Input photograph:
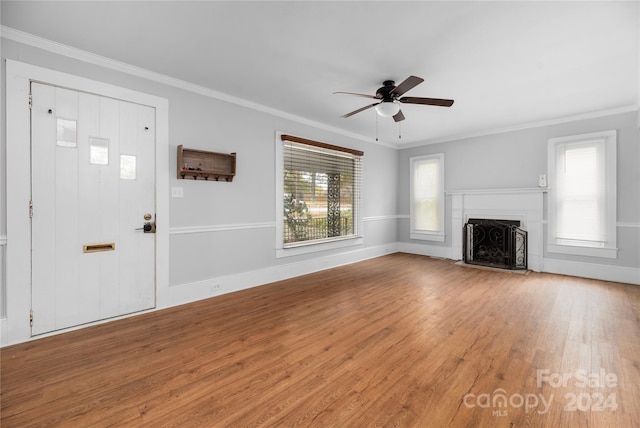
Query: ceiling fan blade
{"type": "Point", "coordinates": [426, 101]}
{"type": "Point", "coordinates": [353, 93]}
{"type": "Point", "coordinates": [359, 110]}
{"type": "Point", "coordinates": [398, 117]}
{"type": "Point", "coordinates": [409, 83]}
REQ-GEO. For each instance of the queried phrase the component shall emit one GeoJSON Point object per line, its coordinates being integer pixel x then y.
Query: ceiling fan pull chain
{"type": "Point", "coordinates": [376, 125]}
{"type": "Point", "coordinates": [399, 130]}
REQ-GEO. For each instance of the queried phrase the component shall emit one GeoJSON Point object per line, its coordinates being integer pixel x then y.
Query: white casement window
{"type": "Point", "coordinates": [582, 195]}
{"type": "Point", "coordinates": [426, 188]}
{"type": "Point", "coordinates": [317, 197]}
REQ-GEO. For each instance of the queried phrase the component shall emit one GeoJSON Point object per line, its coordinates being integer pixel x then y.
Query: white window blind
{"type": "Point", "coordinates": [582, 194]}
{"type": "Point", "coordinates": [321, 192]}
{"type": "Point", "coordinates": [427, 197]}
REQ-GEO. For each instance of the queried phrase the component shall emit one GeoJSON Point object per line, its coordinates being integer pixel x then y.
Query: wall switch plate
{"type": "Point", "coordinates": [542, 180]}
{"type": "Point", "coordinates": [177, 192]}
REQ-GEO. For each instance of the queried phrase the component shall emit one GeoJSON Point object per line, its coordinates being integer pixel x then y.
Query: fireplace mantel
{"type": "Point", "coordinates": [497, 191]}
{"type": "Point", "coordinates": [523, 204]}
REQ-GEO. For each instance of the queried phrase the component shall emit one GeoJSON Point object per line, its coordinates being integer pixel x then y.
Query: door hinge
{"type": "Point", "coordinates": [30, 208]}
{"type": "Point", "coordinates": [31, 318]}
{"type": "Point", "coordinates": [30, 101]}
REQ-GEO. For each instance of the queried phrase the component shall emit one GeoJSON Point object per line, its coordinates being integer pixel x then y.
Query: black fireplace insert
{"type": "Point", "coordinates": [495, 243]}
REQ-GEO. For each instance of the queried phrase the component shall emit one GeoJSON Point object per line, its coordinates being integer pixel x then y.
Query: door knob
{"type": "Point", "coordinates": [149, 227]}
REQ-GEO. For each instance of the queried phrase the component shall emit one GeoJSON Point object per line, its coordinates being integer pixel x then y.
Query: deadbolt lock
{"type": "Point", "coordinates": [147, 216]}
{"type": "Point", "coordinates": [149, 227]}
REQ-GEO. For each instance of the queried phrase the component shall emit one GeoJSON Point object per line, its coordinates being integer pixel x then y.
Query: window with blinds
{"type": "Point", "coordinates": [426, 190]}
{"type": "Point", "coordinates": [582, 197]}
{"type": "Point", "coordinates": [580, 192]}
{"type": "Point", "coordinates": [321, 192]}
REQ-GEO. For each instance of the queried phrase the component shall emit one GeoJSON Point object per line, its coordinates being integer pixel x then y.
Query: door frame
{"type": "Point", "coordinates": [15, 327]}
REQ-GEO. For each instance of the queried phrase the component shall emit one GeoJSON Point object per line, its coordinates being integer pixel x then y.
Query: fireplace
{"type": "Point", "coordinates": [522, 204]}
{"type": "Point", "coordinates": [495, 243]}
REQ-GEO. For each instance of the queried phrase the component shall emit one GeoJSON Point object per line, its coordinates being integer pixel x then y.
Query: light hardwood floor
{"type": "Point", "coordinates": [400, 340]}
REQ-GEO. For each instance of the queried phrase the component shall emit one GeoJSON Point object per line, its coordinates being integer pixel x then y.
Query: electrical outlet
{"type": "Point", "coordinates": [216, 287]}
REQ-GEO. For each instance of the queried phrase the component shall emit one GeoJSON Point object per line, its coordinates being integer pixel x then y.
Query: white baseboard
{"type": "Point", "coordinates": [427, 250]}
{"type": "Point", "coordinates": [193, 291]}
{"type": "Point", "coordinates": [627, 275]}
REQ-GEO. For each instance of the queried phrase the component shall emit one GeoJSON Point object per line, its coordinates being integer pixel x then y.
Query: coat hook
{"type": "Point", "coordinates": [50, 111]}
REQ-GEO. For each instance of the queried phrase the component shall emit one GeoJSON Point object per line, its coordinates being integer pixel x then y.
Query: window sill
{"type": "Point", "coordinates": [605, 253]}
{"type": "Point", "coordinates": [424, 236]}
{"type": "Point", "coordinates": [318, 246]}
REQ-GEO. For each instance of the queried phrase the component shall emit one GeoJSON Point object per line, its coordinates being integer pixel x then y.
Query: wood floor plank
{"type": "Point", "coordinates": [400, 340]}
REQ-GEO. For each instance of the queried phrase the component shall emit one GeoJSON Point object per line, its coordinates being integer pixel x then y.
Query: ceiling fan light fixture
{"type": "Point", "coordinates": [388, 108]}
{"type": "Point", "coordinates": [389, 97]}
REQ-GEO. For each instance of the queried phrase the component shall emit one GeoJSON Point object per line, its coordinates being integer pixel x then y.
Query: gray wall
{"type": "Point", "coordinates": [516, 159]}
{"type": "Point", "coordinates": [199, 121]}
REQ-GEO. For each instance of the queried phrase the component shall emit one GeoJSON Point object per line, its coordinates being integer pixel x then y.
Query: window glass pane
{"type": "Point", "coordinates": [98, 151]}
{"type": "Point", "coordinates": [127, 167]}
{"type": "Point", "coordinates": [66, 133]}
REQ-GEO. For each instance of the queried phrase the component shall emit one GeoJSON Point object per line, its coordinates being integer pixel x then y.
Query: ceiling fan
{"type": "Point", "coordinates": [390, 97]}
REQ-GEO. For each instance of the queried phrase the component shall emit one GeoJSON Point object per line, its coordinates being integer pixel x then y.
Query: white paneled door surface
{"type": "Point", "coordinates": [92, 194]}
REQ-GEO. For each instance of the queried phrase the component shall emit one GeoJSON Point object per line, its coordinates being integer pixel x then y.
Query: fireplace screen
{"type": "Point", "coordinates": [495, 243]}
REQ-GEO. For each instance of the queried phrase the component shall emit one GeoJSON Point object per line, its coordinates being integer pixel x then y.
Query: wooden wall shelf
{"type": "Point", "coordinates": [203, 165]}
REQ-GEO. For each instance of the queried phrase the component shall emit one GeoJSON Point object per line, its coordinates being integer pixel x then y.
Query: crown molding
{"type": "Point", "coordinates": [91, 58]}
{"type": "Point", "coordinates": [101, 61]}
{"type": "Point", "coordinates": [530, 125]}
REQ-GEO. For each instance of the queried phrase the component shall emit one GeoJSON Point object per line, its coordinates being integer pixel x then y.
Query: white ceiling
{"type": "Point", "coordinates": [506, 64]}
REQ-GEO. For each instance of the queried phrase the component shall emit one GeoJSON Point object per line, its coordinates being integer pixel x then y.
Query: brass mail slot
{"type": "Point", "coordinates": [96, 248]}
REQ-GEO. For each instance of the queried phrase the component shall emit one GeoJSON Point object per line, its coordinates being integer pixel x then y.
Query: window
{"type": "Point", "coordinates": [319, 193]}
{"type": "Point", "coordinates": [66, 133]}
{"type": "Point", "coordinates": [582, 194]}
{"type": "Point", "coordinates": [427, 197]}
{"type": "Point", "coordinates": [127, 167]}
{"type": "Point", "coordinates": [98, 151]}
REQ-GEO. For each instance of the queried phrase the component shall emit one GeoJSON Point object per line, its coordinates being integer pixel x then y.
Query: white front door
{"type": "Point", "coordinates": [92, 191]}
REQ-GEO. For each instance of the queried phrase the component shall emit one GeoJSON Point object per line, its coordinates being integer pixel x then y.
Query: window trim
{"type": "Point", "coordinates": [556, 245]}
{"type": "Point", "coordinates": [311, 246]}
{"type": "Point", "coordinates": [427, 235]}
